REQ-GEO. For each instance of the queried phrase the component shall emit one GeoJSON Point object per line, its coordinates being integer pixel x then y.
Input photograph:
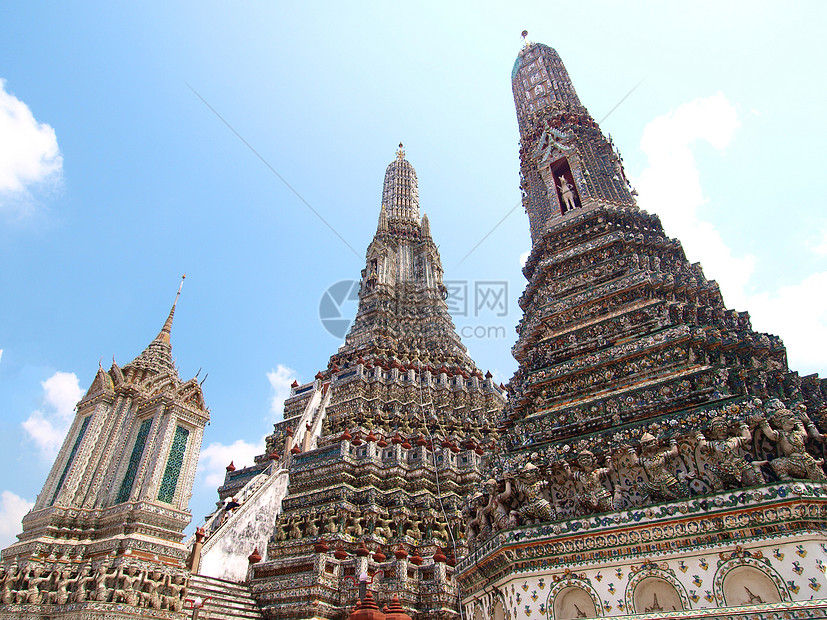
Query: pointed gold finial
{"type": "Point", "coordinates": [400, 153]}
{"type": "Point", "coordinates": [166, 330]}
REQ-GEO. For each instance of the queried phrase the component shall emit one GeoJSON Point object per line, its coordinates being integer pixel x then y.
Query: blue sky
{"type": "Point", "coordinates": [115, 178]}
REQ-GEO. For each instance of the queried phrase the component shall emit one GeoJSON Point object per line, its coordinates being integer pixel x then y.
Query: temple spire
{"type": "Point", "coordinates": [383, 220]}
{"type": "Point", "coordinates": [157, 357]}
{"type": "Point", "coordinates": [166, 330]}
{"type": "Point", "coordinates": [400, 192]}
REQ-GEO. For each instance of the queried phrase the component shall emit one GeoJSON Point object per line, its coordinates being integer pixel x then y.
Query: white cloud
{"type": "Point", "coordinates": [48, 426]}
{"type": "Point", "coordinates": [280, 380]}
{"type": "Point", "coordinates": [29, 154]}
{"type": "Point", "coordinates": [797, 313]}
{"type": "Point", "coordinates": [671, 187]}
{"type": "Point", "coordinates": [1, 354]}
{"type": "Point", "coordinates": [12, 510]}
{"type": "Point", "coordinates": [524, 257]}
{"type": "Point", "coordinates": [819, 248]}
{"type": "Point", "coordinates": [215, 458]}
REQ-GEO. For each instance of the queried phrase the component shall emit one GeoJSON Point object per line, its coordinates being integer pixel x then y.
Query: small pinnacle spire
{"type": "Point", "coordinates": [524, 35]}
{"type": "Point", "coordinates": [383, 220]}
{"type": "Point", "coordinates": [400, 152]}
{"type": "Point", "coordinates": [426, 226]}
{"type": "Point", "coordinates": [166, 330]}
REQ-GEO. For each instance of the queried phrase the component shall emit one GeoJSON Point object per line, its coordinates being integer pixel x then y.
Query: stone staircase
{"type": "Point", "coordinates": [225, 600]}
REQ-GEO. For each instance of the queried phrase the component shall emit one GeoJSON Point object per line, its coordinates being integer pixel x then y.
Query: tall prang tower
{"type": "Point", "coordinates": [659, 457]}
{"type": "Point", "coordinates": [105, 536]}
{"type": "Point", "coordinates": [377, 458]}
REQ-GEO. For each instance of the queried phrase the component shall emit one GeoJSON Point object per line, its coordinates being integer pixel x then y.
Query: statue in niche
{"type": "Point", "coordinates": [532, 506]}
{"type": "Point", "coordinates": [790, 437]}
{"type": "Point", "coordinates": [595, 497]}
{"type": "Point", "coordinates": [567, 194]}
{"type": "Point", "coordinates": [428, 522]}
{"type": "Point", "coordinates": [728, 468]}
{"type": "Point", "coordinates": [663, 484]}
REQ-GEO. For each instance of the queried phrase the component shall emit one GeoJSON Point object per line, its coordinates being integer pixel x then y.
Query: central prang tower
{"type": "Point", "coordinates": [658, 454]}
{"type": "Point", "coordinates": [370, 471]}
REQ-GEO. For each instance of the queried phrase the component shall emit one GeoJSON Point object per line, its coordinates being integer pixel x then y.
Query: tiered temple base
{"type": "Point", "coordinates": [759, 552]}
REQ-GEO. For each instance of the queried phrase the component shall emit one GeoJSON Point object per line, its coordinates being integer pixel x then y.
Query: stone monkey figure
{"type": "Point", "coordinates": [533, 507]}
{"type": "Point", "coordinates": [663, 484]}
{"type": "Point", "coordinates": [595, 497]}
{"type": "Point", "coordinates": [790, 436]}
{"type": "Point", "coordinates": [728, 469]}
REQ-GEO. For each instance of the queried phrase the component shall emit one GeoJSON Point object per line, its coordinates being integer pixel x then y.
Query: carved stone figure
{"type": "Point", "coordinates": [532, 507]}
{"type": "Point", "coordinates": [663, 485]}
{"type": "Point", "coordinates": [595, 497]}
{"type": "Point", "coordinates": [414, 531]}
{"type": "Point", "coordinates": [728, 468]}
{"type": "Point", "coordinates": [476, 518]}
{"type": "Point", "coordinates": [99, 590]}
{"type": "Point", "coordinates": [567, 194]}
{"type": "Point", "coordinates": [281, 531]}
{"type": "Point", "coordinates": [295, 530]}
{"type": "Point", "coordinates": [174, 587]}
{"type": "Point", "coordinates": [498, 508]}
{"type": "Point", "coordinates": [79, 587]}
{"type": "Point", "coordinates": [790, 437]}
{"type": "Point", "coordinates": [125, 586]}
{"type": "Point", "coordinates": [383, 526]}
{"type": "Point", "coordinates": [33, 594]}
{"type": "Point", "coordinates": [151, 596]}
{"type": "Point", "coordinates": [331, 526]}
{"type": "Point", "coordinates": [60, 595]}
{"type": "Point", "coordinates": [310, 528]}
{"type": "Point", "coordinates": [7, 588]}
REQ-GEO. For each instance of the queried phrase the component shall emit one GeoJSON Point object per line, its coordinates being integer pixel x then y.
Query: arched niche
{"type": "Point", "coordinates": [478, 612]}
{"type": "Point", "coordinates": [654, 595]}
{"type": "Point", "coordinates": [748, 585]}
{"type": "Point", "coordinates": [573, 602]}
{"type": "Point", "coordinates": [498, 613]}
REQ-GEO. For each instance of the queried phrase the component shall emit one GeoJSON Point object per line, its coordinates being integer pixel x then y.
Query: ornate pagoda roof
{"type": "Point", "coordinates": [157, 356]}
